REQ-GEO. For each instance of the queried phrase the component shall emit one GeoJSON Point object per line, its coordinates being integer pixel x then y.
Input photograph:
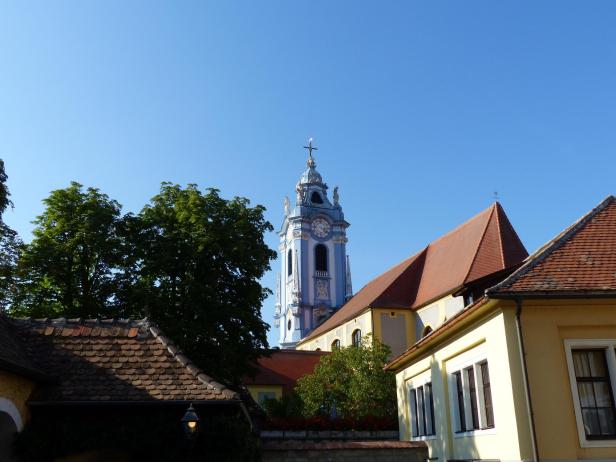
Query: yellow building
{"type": "Point", "coordinates": [528, 371]}
{"type": "Point", "coordinates": [420, 293]}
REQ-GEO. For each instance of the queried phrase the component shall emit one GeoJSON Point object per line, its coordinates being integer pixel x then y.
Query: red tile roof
{"type": "Point", "coordinates": [111, 361]}
{"type": "Point", "coordinates": [484, 245]}
{"type": "Point", "coordinates": [285, 367]}
{"type": "Point", "coordinates": [581, 259]}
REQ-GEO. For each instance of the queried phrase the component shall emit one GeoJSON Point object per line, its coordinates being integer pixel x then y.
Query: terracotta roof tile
{"type": "Point", "coordinates": [484, 245]}
{"type": "Point", "coordinates": [285, 367]}
{"type": "Point", "coordinates": [580, 259]}
{"type": "Point", "coordinates": [111, 360]}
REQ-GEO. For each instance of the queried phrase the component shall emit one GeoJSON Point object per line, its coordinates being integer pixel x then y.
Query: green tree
{"type": "Point", "coordinates": [353, 380]}
{"type": "Point", "coordinates": [9, 247]}
{"type": "Point", "coordinates": [70, 267]}
{"type": "Point", "coordinates": [197, 263]}
{"type": "Point", "coordinates": [4, 190]}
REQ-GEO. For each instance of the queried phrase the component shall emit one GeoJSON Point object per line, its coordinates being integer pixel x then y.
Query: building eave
{"type": "Point", "coordinates": [443, 333]}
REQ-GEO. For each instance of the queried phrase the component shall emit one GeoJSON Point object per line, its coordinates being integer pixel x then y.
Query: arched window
{"type": "Point", "coordinates": [320, 257]}
{"type": "Point", "coordinates": [335, 345]}
{"type": "Point", "coordinates": [289, 262]}
{"type": "Point", "coordinates": [318, 349]}
{"type": "Point", "coordinates": [426, 331]}
{"type": "Point", "coordinates": [316, 198]}
{"type": "Point", "coordinates": [289, 324]}
{"type": "Point", "coordinates": [356, 338]}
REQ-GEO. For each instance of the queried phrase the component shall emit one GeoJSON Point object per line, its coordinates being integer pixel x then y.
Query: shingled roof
{"type": "Point", "coordinates": [580, 260]}
{"type": "Point", "coordinates": [480, 247]}
{"type": "Point", "coordinates": [111, 361]}
{"type": "Point", "coordinates": [285, 367]}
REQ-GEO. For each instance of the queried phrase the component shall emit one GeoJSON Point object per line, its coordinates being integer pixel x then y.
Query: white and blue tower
{"type": "Point", "coordinates": [315, 279]}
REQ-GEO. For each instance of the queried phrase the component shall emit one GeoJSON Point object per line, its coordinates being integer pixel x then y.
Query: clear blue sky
{"type": "Point", "coordinates": [421, 110]}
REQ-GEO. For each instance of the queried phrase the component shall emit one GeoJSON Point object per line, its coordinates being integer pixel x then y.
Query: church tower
{"type": "Point", "coordinates": [315, 279]}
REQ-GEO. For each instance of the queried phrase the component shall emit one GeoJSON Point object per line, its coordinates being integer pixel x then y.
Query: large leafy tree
{"type": "Point", "coordinates": [9, 247]}
{"type": "Point", "coordinates": [352, 381]}
{"type": "Point", "coordinates": [70, 267]}
{"type": "Point", "coordinates": [197, 261]}
{"type": "Point", "coordinates": [4, 190]}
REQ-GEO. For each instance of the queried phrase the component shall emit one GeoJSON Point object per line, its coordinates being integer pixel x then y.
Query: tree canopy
{"type": "Point", "coordinates": [352, 381]}
{"type": "Point", "coordinates": [190, 261]}
{"type": "Point", "coordinates": [4, 190]}
{"type": "Point", "coordinates": [199, 259]}
{"type": "Point", "coordinates": [69, 268]}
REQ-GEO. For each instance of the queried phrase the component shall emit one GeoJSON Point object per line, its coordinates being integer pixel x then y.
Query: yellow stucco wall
{"type": "Point", "coordinates": [16, 389]}
{"type": "Point", "coordinates": [546, 325]}
{"type": "Point", "coordinates": [495, 336]}
{"type": "Point", "coordinates": [254, 390]}
{"type": "Point", "coordinates": [342, 333]}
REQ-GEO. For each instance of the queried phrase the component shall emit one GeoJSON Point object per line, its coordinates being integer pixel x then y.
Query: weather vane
{"type": "Point", "coordinates": [495, 196]}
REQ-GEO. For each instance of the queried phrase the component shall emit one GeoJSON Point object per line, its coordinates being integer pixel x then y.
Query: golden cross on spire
{"type": "Point", "coordinates": [310, 148]}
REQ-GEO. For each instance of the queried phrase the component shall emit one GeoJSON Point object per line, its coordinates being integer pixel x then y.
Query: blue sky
{"type": "Point", "coordinates": [421, 110]}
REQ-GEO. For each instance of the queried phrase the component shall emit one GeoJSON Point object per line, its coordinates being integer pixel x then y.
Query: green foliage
{"type": "Point", "coordinates": [353, 380]}
{"type": "Point", "coordinates": [190, 261]}
{"type": "Point", "coordinates": [285, 407]}
{"type": "Point", "coordinates": [69, 268]}
{"type": "Point", "coordinates": [199, 259]}
{"type": "Point", "coordinates": [4, 190]}
{"type": "Point", "coordinates": [10, 245]}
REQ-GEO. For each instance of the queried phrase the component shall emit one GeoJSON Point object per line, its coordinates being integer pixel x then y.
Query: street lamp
{"type": "Point", "coordinates": [190, 421]}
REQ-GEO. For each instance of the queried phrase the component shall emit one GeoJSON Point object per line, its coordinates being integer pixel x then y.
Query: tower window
{"type": "Point", "coordinates": [289, 324]}
{"type": "Point", "coordinates": [316, 198]}
{"type": "Point", "coordinates": [356, 338]}
{"type": "Point", "coordinates": [289, 262]}
{"type": "Point", "coordinates": [426, 331]}
{"type": "Point", "coordinates": [320, 257]}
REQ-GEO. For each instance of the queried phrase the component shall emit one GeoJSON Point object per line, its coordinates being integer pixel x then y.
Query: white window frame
{"type": "Point", "coordinates": [610, 346]}
{"type": "Point", "coordinates": [414, 384]}
{"type": "Point", "coordinates": [472, 358]}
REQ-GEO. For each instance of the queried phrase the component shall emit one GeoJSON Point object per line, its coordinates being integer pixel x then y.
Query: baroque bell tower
{"type": "Point", "coordinates": [315, 278]}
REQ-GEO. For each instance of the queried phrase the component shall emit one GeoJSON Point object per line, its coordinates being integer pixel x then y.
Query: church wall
{"type": "Point", "coordinates": [343, 333]}
{"type": "Point", "coordinates": [402, 333]}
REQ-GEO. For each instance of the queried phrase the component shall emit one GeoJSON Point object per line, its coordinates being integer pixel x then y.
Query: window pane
{"type": "Point", "coordinates": [587, 398]}
{"type": "Point", "coordinates": [607, 422]}
{"type": "Point", "coordinates": [413, 413]}
{"type": "Point", "coordinates": [429, 409]}
{"type": "Point", "coordinates": [603, 396]}
{"type": "Point", "coordinates": [460, 393]}
{"type": "Point", "coordinates": [470, 375]}
{"type": "Point", "coordinates": [591, 422]}
{"type": "Point", "coordinates": [580, 364]}
{"type": "Point", "coordinates": [594, 393]}
{"type": "Point", "coordinates": [597, 364]}
{"type": "Point", "coordinates": [487, 394]}
{"type": "Point", "coordinates": [421, 422]}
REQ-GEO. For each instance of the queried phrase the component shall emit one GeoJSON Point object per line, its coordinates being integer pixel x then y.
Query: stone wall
{"type": "Point", "coordinates": [360, 451]}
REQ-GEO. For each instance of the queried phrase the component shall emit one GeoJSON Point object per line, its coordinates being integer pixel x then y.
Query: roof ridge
{"type": "Point", "coordinates": [474, 217]}
{"type": "Point", "coordinates": [483, 235]}
{"type": "Point", "coordinates": [177, 354]}
{"type": "Point", "coordinates": [550, 246]}
{"type": "Point", "coordinates": [501, 247]}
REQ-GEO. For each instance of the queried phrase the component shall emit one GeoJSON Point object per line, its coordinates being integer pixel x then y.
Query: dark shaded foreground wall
{"type": "Point", "coordinates": [135, 433]}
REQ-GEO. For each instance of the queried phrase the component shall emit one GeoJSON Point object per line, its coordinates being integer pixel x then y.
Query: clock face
{"type": "Point", "coordinates": [320, 227]}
